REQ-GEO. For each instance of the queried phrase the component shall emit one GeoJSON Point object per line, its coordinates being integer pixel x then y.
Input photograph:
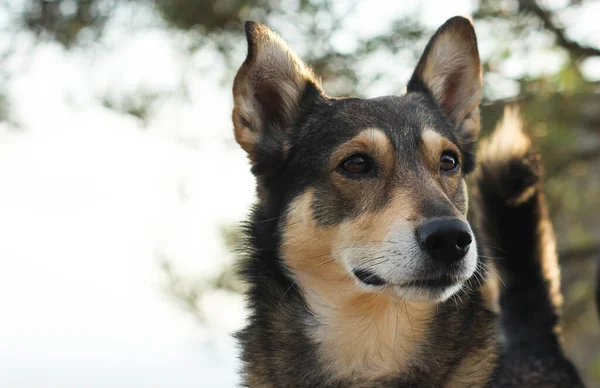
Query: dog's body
{"type": "Point", "coordinates": [363, 271]}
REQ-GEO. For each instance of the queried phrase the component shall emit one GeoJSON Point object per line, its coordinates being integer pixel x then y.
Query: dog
{"type": "Point", "coordinates": [363, 269]}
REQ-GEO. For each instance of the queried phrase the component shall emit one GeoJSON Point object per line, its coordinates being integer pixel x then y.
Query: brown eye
{"type": "Point", "coordinates": [356, 165]}
{"type": "Point", "coordinates": [448, 162]}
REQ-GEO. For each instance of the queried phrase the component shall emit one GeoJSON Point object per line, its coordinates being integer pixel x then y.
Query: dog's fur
{"type": "Point", "coordinates": [313, 322]}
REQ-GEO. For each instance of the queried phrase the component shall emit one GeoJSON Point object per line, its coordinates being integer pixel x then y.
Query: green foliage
{"type": "Point", "coordinates": [64, 21]}
{"type": "Point", "coordinates": [211, 17]}
{"type": "Point", "coordinates": [560, 109]}
{"type": "Point", "coordinates": [3, 108]}
{"type": "Point", "coordinates": [138, 104]}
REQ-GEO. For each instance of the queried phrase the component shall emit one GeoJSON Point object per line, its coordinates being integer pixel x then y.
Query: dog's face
{"type": "Point", "coordinates": [368, 192]}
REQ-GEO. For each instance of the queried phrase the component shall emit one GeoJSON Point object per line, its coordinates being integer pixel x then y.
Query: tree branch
{"type": "Point", "coordinates": [576, 49]}
{"type": "Point", "coordinates": [598, 285]}
{"type": "Point", "coordinates": [582, 156]}
{"type": "Point", "coordinates": [579, 253]}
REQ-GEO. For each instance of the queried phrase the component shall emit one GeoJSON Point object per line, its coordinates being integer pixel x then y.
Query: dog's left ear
{"type": "Point", "coordinates": [267, 94]}
{"type": "Point", "coordinates": [450, 70]}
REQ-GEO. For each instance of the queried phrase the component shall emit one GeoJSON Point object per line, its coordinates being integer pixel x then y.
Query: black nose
{"type": "Point", "coordinates": [445, 239]}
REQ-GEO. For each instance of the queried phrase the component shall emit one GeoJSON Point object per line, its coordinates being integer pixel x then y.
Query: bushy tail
{"type": "Point", "coordinates": [515, 229]}
{"type": "Point", "coordinates": [512, 218]}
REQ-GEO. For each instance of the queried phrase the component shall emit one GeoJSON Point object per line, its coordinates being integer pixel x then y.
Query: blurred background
{"type": "Point", "coordinates": [121, 187]}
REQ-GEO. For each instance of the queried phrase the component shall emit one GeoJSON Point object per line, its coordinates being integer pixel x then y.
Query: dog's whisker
{"type": "Point", "coordinates": [382, 259]}
{"type": "Point", "coordinates": [459, 298]}
{"type": "Point", "coordinates": [348, 275]}
{"type": "Point", "coordinates": [489, 268]}
{"type": "Point", "coordinates": [310, 258]}
{"type": "Point", "coordinates": [295, 281]}
{"type": "Point", "coordinates": [392, 270]}
{"type": "Point", "coordinates": [453, 297]}
{"type": "Point", "coordinates": [408, 316]}
{"type": "Point", "coordinates": [396, 329]}
{"type": "Point", "coordinates": [478, 278]}
{"type": "Point", "coordinates": [320, 265]}
{"type": "Point", "coordinates": [270, 219]}
{"type": "Point", "coordinates": [492, 257]}
{"type": "Point", "coordinates": [496, 248]}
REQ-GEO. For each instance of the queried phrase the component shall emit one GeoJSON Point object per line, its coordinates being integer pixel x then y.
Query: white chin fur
{"type": "Point", "coordinates": [406, 263]}
{"type": "Point", "coordinates": [425, 294]}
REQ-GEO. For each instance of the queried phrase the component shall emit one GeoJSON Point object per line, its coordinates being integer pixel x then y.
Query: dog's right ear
{"type": "Point", "coordinates": [267, 92]}
{"type": "Point", "coordinates": [450, 71]}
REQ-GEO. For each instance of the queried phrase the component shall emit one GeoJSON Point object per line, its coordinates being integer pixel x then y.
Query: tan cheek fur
{"type": "Point", "coordinates": [361, 334]}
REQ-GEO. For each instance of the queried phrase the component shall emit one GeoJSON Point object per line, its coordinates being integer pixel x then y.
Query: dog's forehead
{"type": "Point", "coordinates": [401, 118]}
{"type": "Point", "coordinates": [410, 112]}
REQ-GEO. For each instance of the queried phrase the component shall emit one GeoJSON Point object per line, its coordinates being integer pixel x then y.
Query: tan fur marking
{"type": "Point", "coordinates": [362, 334]}
{"type": "Point", "coordinates": [507, 141]}
{"type": "Point", "coordinates": [307, 248]}
{"type": "Point", "coordinates": [549, 256]}
{"type": "Point", "coordinates": [374, 226]}
{"type": "Point", "coordinates": [491, 290]}
{"type": "Point", "coordinates": [372, 141]}
{"type": "Point", "coordinates": [375, 143]}
{"type": "Point", "coordinates": [434, 144]}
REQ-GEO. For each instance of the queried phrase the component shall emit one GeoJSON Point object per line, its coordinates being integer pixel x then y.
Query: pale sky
{"type": "Point", "coordinates": [89, 197]}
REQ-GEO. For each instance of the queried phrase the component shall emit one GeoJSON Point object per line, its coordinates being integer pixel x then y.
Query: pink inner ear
{"type": "Point", "coordinates": [270, 101]}
{"type": "Point", "coordinates": [451, 87]}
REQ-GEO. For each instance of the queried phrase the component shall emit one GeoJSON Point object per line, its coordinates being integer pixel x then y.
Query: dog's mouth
{"type": "Point", "coordinates": [436, 288]}
{"type": "Point", "coordinates": [437, 283]}
{"type": "Point", "coordinates": [369, 278]}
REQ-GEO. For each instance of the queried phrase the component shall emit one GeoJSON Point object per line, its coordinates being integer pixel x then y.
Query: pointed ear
{"type": "Point", "coordinates": [450, 70]}
{"type": "Point", "coordinates": [267, 92]}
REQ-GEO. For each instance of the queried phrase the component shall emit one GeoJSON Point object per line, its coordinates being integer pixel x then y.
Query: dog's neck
{"type": "Point", "coordinates": [364, 336]}
{"type": "Point", "coordinates": [377, 336]}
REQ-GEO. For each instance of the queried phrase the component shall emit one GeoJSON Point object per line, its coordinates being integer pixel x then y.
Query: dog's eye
{"type": "Point", "coordinates": [357, 164]}
{"type": "Point", "coordinates": [448, 162]}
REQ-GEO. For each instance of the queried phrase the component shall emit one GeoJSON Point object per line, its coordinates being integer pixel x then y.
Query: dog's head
{"type": "Point", "coordinates": [366, 191]}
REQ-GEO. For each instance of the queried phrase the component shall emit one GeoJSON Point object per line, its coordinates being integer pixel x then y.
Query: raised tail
{"type": "Point", "coordinates": [515, 231]}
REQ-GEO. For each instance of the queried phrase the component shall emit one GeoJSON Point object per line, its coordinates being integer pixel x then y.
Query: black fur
{"type": "Point", "coordinates": [276, 348]}
{"type": "Point", "coordinates": [512, 206]}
